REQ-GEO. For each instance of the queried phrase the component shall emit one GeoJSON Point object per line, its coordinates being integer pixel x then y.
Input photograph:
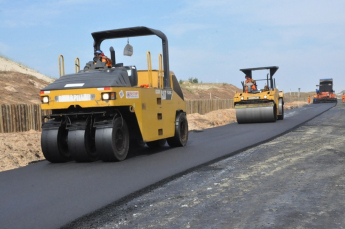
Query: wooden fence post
{"type": "Point", "coordinates": [1, 120]}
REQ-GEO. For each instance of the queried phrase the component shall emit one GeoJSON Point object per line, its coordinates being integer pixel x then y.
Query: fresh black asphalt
{"type": "Point", "coordinates": [45, 195]}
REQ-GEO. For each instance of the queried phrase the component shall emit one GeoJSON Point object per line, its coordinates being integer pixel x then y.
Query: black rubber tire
{"type": "Point", "coordinates": [81, 144]}
{"type": "Point", "coordinates": [281, 108]}
{"type": "Point", "coordinates": [112, 143]}
{"type": "Point", "coordinates": [181, 131]}
{"type": "Point", "coordinates": [157, 143]}
{"type": "Point", "coordinates": [54, 144]}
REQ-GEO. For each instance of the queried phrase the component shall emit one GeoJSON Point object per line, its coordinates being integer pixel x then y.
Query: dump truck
{"type": "Point", "coordinates": [101, 112]}
{"type": "Point", "coordinates": [254, 105]}
{"type": "Point", "coordinates": [325, 93]}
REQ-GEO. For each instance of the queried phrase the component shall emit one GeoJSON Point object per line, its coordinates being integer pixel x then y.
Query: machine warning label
{"type": "Point", "coordinates": [121, 94]}
{"type": "Point", "coordinates": [132, 94]}
{"type": "Point", "coordinates": [158, 91]}
{"type": "Point", "coordinates": [164, 95]}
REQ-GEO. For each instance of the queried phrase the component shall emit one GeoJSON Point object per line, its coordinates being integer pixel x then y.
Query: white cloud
{"type": "Point", "coordinates": [31, 15]}
{"type": "Point", "coordinates": [212, 40]}
{"type": "Point", "coordinates": [303, 37]}
{"type": "Point", "coordinates": [38, 13]}
{"type": "Point", "coordinates": [180, 29]}
{"type": "Point", "coordinates": [269, 12]}
{"type": "Point", "coordinates": [73, 2]}
{"type": "Point", "coordinates": [298, 67]}
{"type": "Point", "coordinates": [297, 13]}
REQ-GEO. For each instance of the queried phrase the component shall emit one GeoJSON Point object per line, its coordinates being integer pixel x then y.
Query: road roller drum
{"type": "Point", "coordinates": [254, 113]}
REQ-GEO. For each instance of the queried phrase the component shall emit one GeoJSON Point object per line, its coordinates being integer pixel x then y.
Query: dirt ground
{"type": "Point", "coordinates": [208, 91]}
{"type": "Point", "coordinates": [18, 88]}
{"type": "Point", "coordinates": [20, 149]}
{"type": "Point", "coordinates": [7, 65]}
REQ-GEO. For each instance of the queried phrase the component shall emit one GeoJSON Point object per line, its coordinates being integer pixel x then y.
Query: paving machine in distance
{"type": "Point", "coordinates": [103, 111]}
{"type": "Point", "coordinates": [325, 93]}
{"type": "Point", "coordinates": [259, 105]}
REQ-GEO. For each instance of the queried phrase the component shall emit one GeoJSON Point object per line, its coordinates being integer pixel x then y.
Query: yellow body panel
{"type": "Point", "coordinates": [281, 94]}
{"type": "Point", "coordinates": [153, 117]}
{"type": "Point", "coordinates": [156, 116]}
{"type": "Point", "coordinates": [156, 79]}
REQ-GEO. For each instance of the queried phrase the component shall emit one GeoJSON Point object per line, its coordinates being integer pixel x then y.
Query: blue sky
{"type": "Point", "coordinates": [209, 40]}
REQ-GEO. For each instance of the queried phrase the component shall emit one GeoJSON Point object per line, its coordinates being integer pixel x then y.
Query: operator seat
{"type": "Point", "coordinates": [249, 88]}
{"type": "Point", "coordinates": [132, 74]}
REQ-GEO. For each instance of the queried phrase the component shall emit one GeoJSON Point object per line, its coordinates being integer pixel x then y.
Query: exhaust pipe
{"type": "Point", "coordinates": [112, 56]}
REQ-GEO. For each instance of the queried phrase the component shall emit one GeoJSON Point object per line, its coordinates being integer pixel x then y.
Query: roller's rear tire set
{"type": "Point", "coordinates": [181, 131]}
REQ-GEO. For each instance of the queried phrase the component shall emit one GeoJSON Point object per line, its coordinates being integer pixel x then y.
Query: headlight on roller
{"type": "Point", "coordinates": [265, 96]}
{"type": "Point", "coordinates": [44, 99]}
{"type": "Point", "coordinates": [105, 96]}
{"type": "Point", "coordinates": [242, 98]}
{"type": "Point", "coordinates": [108, 96]}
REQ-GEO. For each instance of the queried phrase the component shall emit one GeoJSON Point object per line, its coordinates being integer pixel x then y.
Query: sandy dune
{"type": "Point", "coordinates": [8, 65]}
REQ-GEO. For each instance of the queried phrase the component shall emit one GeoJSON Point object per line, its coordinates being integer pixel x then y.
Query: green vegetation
{"type": "Point", "coordinates": [193, 80]}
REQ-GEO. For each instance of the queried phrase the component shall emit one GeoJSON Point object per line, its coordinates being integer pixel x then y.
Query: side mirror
{"type": "Point", "coordinates": [128, 51]}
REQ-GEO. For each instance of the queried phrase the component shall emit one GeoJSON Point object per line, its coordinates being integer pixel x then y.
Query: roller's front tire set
{"type": "Point", "coordinates": [84, 143]}
{"type": "Point", "coordinates": [267, 113]}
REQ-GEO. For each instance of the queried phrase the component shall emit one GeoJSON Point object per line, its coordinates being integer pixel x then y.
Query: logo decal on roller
{"type": "Point", "coordinates": [74, 85]}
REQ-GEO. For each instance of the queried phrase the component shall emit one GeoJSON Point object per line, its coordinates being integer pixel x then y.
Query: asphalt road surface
{"type": "Point", "coordinates": [45, 195]}
{"type": "Point", "coordinates": [294, 181]}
